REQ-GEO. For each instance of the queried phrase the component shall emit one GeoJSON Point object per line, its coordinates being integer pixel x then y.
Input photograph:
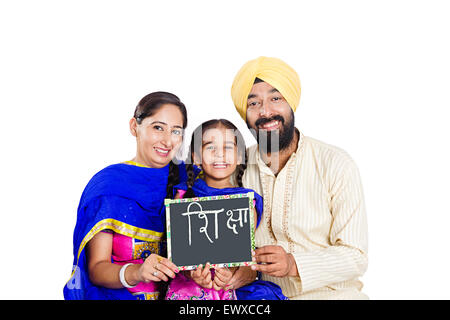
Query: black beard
{"type": "Point", "coordinates": [281, 138]}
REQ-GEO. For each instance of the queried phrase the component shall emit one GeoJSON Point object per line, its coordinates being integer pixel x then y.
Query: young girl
{"type": "Point", "coordinates": [218, 148]}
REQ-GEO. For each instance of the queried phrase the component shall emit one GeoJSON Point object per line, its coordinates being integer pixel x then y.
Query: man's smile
{"type": "Point", "coordinates": [272, 125]}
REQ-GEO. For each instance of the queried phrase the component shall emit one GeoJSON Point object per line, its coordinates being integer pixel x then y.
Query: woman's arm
{"type": "Point", "coordinates": [101, 271]}
{"type": "Point", "coordinates": [106, 274]}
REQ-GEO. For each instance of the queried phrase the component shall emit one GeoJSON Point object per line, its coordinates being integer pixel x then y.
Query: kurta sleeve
{"type": "Point", "coordinates": [346, 257]}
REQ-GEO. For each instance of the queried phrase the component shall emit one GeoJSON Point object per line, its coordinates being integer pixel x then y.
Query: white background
{"type": "Point", "coordinates": [375, 81]}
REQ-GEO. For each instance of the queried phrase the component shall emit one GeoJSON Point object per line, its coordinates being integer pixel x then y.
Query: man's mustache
{"type": "Point", "coordinates": [262, 121]}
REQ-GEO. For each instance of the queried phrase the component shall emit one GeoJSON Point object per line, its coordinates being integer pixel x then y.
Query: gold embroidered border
{"type": "Point", "coordinates": [121, 228]}
{"type": "Point", "coordinates": [287, 202]}
{"type": "Point", "coordinates": [147, 295]}
{"type": "Point", "coordinates": [267, 205]}
{"type": "Point", "coordinates": [288, 193]}
{"type": "Point", "coordinates": [133, 163]}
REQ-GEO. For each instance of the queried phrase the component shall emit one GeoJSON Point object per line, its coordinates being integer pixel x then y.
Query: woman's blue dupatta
{"type": "Point", "coordinates": [124, 198]}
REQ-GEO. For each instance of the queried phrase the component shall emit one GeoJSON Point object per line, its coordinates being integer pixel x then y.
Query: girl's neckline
{"type": "Point", "coordinates": [204, 182]}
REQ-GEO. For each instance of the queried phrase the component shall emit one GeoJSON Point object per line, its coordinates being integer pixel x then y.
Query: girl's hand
{"type": "Point", "coordinates": [156, 268]}
{"type": "Point", "coordinates": [242, 276]}
{"type": "Point", "coordinates": [222, 276]}
{"type": "Point", "coordinates": [202, 276]}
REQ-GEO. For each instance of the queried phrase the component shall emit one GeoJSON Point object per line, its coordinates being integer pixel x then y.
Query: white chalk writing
{"type": "Point", "coordinates": [202, 214]}
{"type": "Point", "coordinates": [243, 212]}
{"type": "Point", "coordinates": [232, 221]}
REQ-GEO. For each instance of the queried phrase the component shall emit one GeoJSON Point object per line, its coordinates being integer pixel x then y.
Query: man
{"type": "Point", "coordinates": [312, 240]}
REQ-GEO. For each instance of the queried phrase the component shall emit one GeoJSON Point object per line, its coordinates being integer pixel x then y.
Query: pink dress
{"type": "Point", "coordinates": [129, 250]}
{"type": "Point", "coordinates": [183, 288]}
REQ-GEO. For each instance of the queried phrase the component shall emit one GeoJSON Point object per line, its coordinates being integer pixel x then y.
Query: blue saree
{"type": "Point", "coordinates": [126, 199]}
{"type": "Point", "coordinates": [257, 290]}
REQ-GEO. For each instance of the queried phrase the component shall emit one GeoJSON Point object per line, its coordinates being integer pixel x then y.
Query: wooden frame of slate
{"type": "Point", "coordinates": [214, 229]}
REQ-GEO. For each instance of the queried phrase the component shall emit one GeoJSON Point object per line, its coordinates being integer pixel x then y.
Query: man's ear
{"type": "Point", "coordinates": [133, 127]}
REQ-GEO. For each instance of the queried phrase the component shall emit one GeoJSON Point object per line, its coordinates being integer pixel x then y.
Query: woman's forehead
{"type": "Point", "coordinates": [168, 114]}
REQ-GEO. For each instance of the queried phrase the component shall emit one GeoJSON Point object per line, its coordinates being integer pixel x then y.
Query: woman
{"type": "Point", "coordinates": [119, 236]}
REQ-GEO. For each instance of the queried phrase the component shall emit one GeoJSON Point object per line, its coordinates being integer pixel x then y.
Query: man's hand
{"type": "Point", "coordinates": [278, 263]}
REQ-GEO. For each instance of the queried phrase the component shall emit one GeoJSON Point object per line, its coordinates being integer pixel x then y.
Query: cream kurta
{"type": "Point", "coordinates": [314, 208]}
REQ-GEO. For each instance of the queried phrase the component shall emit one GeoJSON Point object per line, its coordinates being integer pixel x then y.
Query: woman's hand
{"type": "Point", "coordinates": [202, 276]}
{"type": "Point", "coordinates": [222, 276]}
{"type": "Point", "coordinates": [154, 268]}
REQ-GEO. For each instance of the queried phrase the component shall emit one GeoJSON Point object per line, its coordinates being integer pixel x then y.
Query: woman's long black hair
{"type": "Point", "coordinates": [147, 107]}
{"type": "Point", "coordinates": [196, 144]}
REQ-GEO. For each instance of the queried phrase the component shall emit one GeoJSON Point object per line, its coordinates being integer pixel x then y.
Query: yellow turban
{"type": "Point", "coordinates": [271, 70]}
